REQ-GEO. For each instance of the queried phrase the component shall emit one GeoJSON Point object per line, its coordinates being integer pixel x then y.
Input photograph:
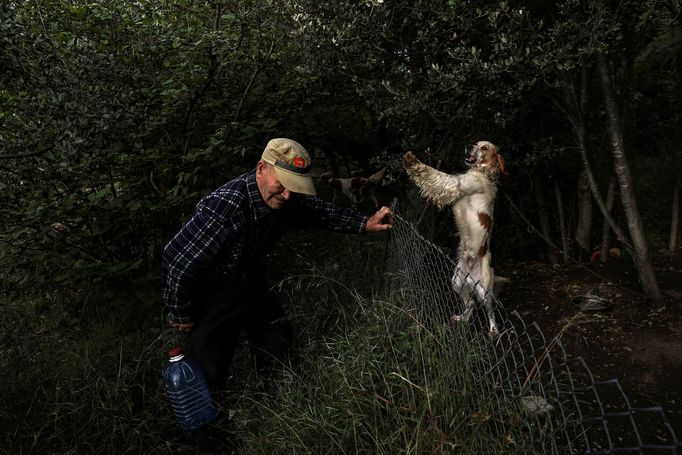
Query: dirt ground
{"type": "Point", "coordinates": [634, 341]}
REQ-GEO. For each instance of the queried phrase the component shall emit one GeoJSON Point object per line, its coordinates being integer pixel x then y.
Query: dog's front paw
{"type": "Point", "coordinates": [409, 160]}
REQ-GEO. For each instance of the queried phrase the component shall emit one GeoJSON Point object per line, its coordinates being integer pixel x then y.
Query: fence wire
{"type": "Point", "coordinates": [535, 396]}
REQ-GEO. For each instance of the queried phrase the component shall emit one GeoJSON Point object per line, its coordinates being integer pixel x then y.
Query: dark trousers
{"type": "Point", "coordinates": [227, 309]}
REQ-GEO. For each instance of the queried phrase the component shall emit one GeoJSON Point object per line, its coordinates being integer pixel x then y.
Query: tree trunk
{"type": "Point", "coordinates": [641, 254]}
{"type": "Point", "coordinates": [672, 245]}
{"type": "Point", "coordinates": [562, 222]}
{"type": "Point", "coordinates": [544, 221]}
{"type": "Point", "coordinates": [610, 197]}
{"type": "Point", "coordinates": [575, 104]}
{"type": "Point", "coordinates": [584, 226]}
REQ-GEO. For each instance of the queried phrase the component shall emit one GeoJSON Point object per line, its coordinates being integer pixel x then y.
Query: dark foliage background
{"type": "Point", "coordinates": [117, 116]}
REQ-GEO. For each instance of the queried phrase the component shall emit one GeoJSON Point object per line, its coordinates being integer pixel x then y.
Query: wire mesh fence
{"type": "Point", "coordinates": [530, 392]}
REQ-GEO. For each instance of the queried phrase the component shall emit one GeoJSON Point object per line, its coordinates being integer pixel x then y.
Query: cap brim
{"type": "Point", "coordinates": [294, 182]}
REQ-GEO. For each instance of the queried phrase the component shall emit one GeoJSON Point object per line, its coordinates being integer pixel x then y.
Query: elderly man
{"type": "Point", "coordinates": [213, 272]}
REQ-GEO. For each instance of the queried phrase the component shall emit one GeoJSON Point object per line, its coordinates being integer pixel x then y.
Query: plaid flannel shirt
{"type": "Point", "coordinates": [230, 233]}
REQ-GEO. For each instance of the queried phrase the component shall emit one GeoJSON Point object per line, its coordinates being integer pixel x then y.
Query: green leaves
{"type": "Point", "coordinates": [125, 113]}
{"type": "Point", "coordinates": [142, 98]}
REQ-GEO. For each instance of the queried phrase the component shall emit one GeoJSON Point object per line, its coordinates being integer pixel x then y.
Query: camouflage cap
{"type": "Point", "coordinates": [292, 165]}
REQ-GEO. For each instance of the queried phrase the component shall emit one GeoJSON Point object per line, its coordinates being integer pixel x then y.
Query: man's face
{"type": "Point", "coordinates": [274, 194]}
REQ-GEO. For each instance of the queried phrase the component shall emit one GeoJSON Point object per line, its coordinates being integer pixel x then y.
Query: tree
{"type": "Point", "coordinates": [116, 116]}
{"type": "Point", "coordinates": [641, 254]}
{"type": "Point", "coordinates": [582, 32]}
{"type": "Point", "coordinates": [672, 245]}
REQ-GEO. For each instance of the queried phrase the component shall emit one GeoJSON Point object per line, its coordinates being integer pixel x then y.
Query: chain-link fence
{"type": "Point", "coordinates": [530, 391]}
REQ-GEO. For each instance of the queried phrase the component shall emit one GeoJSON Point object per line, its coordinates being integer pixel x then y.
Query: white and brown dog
{"type": "Point", "coordinates": [472, 198]}
{"type": "Point", "coordinates": [357, 188]}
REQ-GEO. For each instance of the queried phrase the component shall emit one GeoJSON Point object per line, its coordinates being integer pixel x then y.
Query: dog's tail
{"type": "Point", "coordinates": [499, 284]}
{"type": "Point", "coordinates": [377, 176]}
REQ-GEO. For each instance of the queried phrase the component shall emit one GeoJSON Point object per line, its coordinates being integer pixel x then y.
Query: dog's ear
{"type": "Point", "coordinates": [500, 164]}
{"type": "Point", "coordinates": [409, 160]}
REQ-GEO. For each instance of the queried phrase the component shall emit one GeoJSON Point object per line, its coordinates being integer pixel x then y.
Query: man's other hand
{"type": "Point", "coordinates": [375, 223]}
{"type": "Point", "coordinates": [182, 326]}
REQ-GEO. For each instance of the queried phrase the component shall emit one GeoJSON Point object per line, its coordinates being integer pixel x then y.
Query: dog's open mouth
{"type": "Point", "coordinates": [470, 159]}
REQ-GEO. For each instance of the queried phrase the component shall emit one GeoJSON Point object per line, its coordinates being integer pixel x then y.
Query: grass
{"type": "Point", "coordinates": [71, 386]}
{"type": "Point", "coordinates": [85, 378]}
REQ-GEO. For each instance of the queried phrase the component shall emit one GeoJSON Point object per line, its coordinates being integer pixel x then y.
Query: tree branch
{"type": "Point", "coordinates": [575, 114]}
{"type": "Point", "coordinates": [257, 70]}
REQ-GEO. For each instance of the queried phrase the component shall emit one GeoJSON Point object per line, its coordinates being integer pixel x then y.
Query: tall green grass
{"type": "Point", "coordinates": [367, 378]}
{"type": "Point", "coordinates": [80, 379]}
{"type": "Point", "coordinates": [377, 386]}
{"type": "Point", "coordinates": [371, 378]}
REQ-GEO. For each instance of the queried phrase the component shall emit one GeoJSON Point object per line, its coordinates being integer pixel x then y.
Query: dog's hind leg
{"type": "Point", "coordinates": [489, 306]}
{"type": "Point", "coordinates": [484, 291]}
{"type": "Point", "coordinates": [472, 282]}
{"type": "Point", "coordinates": [463, 285]}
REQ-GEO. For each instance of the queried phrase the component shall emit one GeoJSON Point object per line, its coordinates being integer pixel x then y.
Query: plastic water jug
{"type": "Point", "coordinates": [188, 393]}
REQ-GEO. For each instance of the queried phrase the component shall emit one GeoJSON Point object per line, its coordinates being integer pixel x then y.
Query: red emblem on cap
{"type": "Point", "coordinates": [299, 162]}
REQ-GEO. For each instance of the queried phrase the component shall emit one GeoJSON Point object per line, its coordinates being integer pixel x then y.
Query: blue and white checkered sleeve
{"type": "Point", "coordinates": [333, 217]}
{"type": "Point", "coordinates": [191, 252]}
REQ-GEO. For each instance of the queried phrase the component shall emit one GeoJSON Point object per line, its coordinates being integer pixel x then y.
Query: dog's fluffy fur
{"type": "Point", "coordinates": [471, 197]}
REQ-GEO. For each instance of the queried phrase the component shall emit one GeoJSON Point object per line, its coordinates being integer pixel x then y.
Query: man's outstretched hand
{"type": "Point", "coordinates": [375, 223]}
